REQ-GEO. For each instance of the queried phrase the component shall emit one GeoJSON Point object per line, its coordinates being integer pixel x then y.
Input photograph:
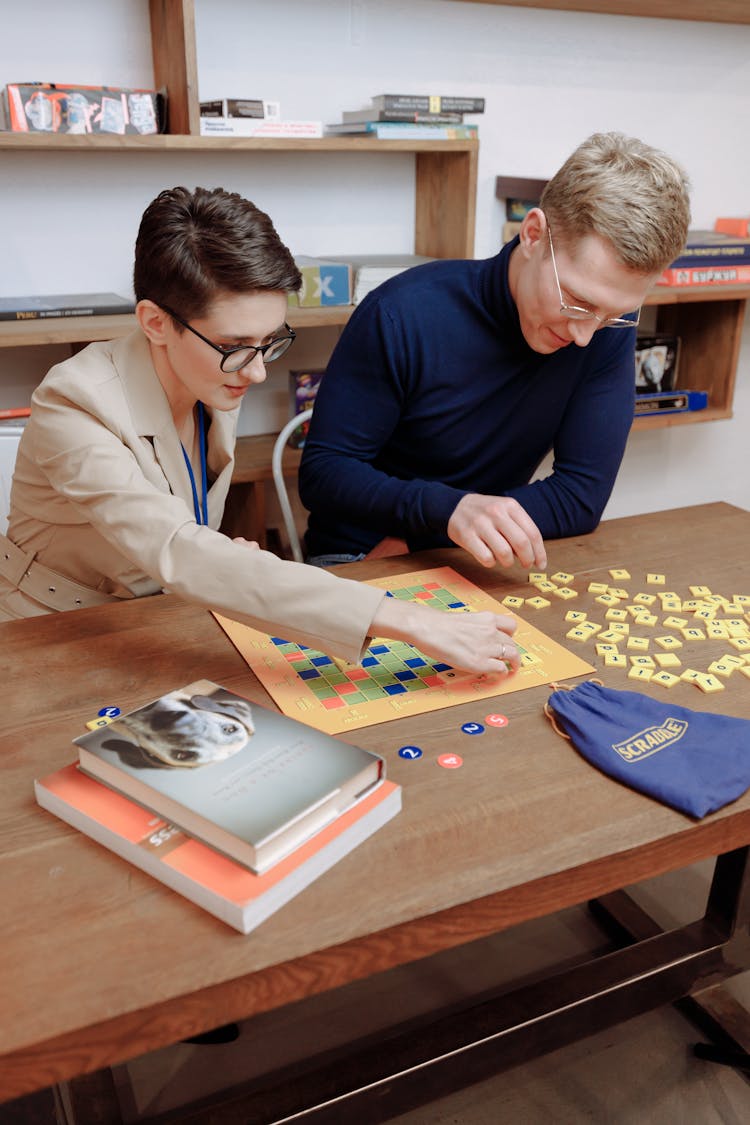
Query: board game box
{"type": "Point", "coordinates": [48, 107]}
{"type": "Point", "coordinates": [303, 387]}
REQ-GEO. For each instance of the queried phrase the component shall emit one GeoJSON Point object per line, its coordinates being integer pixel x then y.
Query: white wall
{"type": "Point", "coordinates": [68, 222]}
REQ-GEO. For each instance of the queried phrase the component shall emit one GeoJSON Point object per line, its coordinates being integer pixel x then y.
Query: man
{"type": "Point", "coordinates": [124, 467]}
{"type": "Point", "coordinates": [453, 381]}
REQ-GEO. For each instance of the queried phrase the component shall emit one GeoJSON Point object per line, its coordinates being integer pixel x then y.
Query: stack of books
{"type": "Point", "coordinates": [710, 258]}
{"type": "Point", "coordinates": [435, 117]}
{"type": "Point", "coordinates": [251, 117]}
{"type": "Point", "coordinates": [371, 270]}
{"type": "Point", "coordinates": [236, 807]}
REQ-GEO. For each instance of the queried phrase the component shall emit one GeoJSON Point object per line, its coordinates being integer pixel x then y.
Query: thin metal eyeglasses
{"type": "Point", "coordinates": [574, 312]}
{"type": "Point", "coordinates": [239, 355]}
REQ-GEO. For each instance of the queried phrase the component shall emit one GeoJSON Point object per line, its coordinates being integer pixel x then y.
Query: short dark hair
{"type": "Point", "coordinates": [194, 245]}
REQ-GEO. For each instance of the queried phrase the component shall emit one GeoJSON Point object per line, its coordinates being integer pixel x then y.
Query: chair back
{"type": "Point", "coordinates": [278, 480]}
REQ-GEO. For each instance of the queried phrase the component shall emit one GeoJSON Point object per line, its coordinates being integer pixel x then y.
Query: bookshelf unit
{"type": "Point", "coordinates": [709, 321]}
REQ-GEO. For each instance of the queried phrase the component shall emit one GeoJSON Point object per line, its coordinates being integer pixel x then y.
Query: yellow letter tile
{"type": "Point", "coordinates": [665, 679]}
{"type": "Point", "coordinates": [538, 603]}
{"type": "Point", "coordinates": [667, 659]}
{"type": "Point", "coordinates": [644, 674]}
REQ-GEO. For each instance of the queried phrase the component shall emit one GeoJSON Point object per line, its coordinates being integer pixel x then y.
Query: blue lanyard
{"type": "Point", "coordinates": [201, 511]}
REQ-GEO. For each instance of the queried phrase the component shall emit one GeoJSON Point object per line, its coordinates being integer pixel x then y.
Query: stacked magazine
{"type": "Point", "coordinates": [235, 806]}
{"type": "Point", "coordinates": [435, 117]}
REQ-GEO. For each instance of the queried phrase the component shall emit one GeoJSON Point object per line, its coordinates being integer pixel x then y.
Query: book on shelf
{"type": "Point", "coordinates": [371, 270]}
{"type": "Point", "coordinates": [669, 402]}
{"type": "Point", "coordinates": [709, 248]}
{"type": "Point", "coordinates": [739, 227]}
{"type": "Point", "coordinates": [656, 363]}
{"type": "Point", "coordinates": [14, 412]}
{"type": "Point", "coordinates": [323, 283]}
{"type": "Point", "coordinates": [705, 275]}
{"type": "Point", "coordinates": [405, 131]}
{"type": "Point", "coordinates": [414, 116]}
{"type": "Point", "coordinates": [241, 107]}
{"type": "Point", "coordinates": [250, 782]}
{"type": "Point", "coordinates": [303, 387]}
{"type": "Point", "coordinates": [258, 127]}
{"type": "Point", "coordinates": [226, 889]}
{"type": "Point", "coordinates": [64, 304]}
{"type": "Point", "coordinates": [429, 103]}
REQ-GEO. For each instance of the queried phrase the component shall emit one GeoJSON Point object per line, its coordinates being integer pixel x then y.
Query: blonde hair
{"type": "Point", "coordinates": [628, 193]}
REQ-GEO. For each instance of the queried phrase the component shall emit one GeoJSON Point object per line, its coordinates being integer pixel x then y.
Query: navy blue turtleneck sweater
{"type": "Point", "coordinates": [432, 392]}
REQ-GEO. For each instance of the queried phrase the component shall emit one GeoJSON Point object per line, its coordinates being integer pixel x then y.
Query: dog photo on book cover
{"type": "Point", "coordinates": [187, 728]}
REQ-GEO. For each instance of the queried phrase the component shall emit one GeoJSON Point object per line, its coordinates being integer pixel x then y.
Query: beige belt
{"type": "Point", "coordinates": [44, 585]}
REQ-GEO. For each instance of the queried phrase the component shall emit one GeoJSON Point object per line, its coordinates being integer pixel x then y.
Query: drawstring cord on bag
{"type": "Point", "coordinates": [551, 714]}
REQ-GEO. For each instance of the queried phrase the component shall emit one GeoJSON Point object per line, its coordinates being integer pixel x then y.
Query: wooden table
{"type": "Point", "coordinates": [101, 964]}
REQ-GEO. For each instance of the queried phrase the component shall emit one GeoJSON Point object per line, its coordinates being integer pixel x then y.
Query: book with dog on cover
{"type": "Point", "coordinates": [252, 783]}
{"type": "Point", "coordinates": [224, 888]}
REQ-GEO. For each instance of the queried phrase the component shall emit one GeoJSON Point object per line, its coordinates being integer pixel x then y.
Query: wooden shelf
{"type": "Point", "coordinates": [718, 11]}
{"type": "Point", "coordinates": [168, 142]}
{"type": "Point", "coordinates": [64, 330]}
{"type": "Point", "coordinates": [85, 329]}
{"type": "Point", "coordinates": [685, 295]}
{"type": "Point", "coordinates": [445, 172]}
{"type": "Point", "coordinates": [332, 316]}
{"type": "Point", "coordinates": [709, 321]}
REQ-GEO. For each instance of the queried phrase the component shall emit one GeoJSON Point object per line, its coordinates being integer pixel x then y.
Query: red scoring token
{"type": "Point", "coordinates": [496, 720]}
{"type": "Point", "coordinates": [450, 761]}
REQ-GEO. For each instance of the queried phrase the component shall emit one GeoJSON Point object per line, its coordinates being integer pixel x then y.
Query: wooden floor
{"type": "Point", "coordinates": [640, 1073]}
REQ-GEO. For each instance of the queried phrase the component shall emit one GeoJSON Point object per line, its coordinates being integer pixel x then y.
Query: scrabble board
{"type": "Point", "coordinates": [394, 678]}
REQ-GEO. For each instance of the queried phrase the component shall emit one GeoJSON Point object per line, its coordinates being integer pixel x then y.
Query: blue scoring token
{"type": "Point", "coordinates": [410, 752]}
{"type": "Point", "coordinates": [109, 712]}
{"type": "Point", "coordinates": [472, 728]}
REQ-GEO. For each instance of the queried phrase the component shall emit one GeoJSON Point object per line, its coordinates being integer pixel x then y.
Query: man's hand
{"type": "Point", "coordinates": [496, 529]}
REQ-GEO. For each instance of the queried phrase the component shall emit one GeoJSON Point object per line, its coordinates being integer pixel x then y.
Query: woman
{"type": "Point", "coordinates": [123, 469]}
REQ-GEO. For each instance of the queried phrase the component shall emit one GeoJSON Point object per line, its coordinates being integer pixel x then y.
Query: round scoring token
{"type": "Point", "coordinates": [109, 712]}
{"type": "Point", "coordinates": [472, 728]}
{"type": "Point", "coordinates": [410, 752]}
{"type": "Point", "coordinates": [450, 761]}
{"type": "Point", "coordinates": [496, 720]}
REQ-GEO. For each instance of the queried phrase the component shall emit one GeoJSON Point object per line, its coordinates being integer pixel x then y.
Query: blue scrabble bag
{"type": "Point", "coordinates": [692, 760]}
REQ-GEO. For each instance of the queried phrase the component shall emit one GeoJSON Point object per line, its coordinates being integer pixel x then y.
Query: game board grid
{"type": "Point", "coordinates": [387, 670]}
{"type": "Point", "coordinates": [393, 677]}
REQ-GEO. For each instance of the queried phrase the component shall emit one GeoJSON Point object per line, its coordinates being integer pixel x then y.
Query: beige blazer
{"type": "Point", "coordinates": [101, 495]}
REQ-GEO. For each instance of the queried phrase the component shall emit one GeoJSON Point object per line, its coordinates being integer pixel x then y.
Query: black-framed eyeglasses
{"type": "Point", "coordinates": [239, 355]}
{"type": "Point", "coordinates": [574, 312]}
